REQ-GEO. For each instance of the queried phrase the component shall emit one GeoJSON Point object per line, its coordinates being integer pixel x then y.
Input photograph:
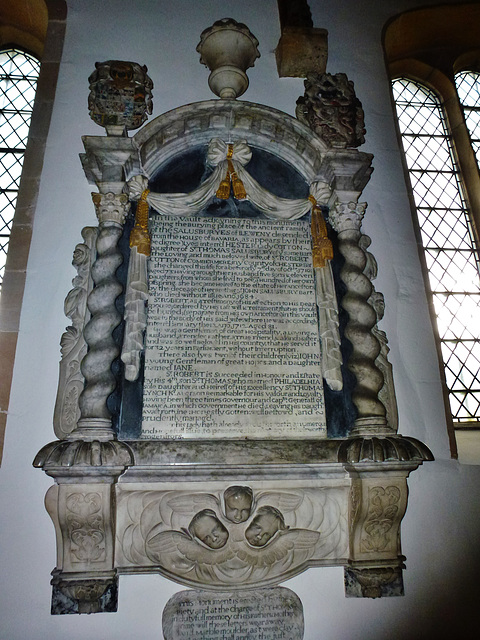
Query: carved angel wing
{"type": "Point", "coordinates": [285, 502]}
{"type": "Point", "coordinates": [181, 554]}
{"type": "Point", "coordinates": [190, 503]}
{"type": "Point", "coordinates": [291, 547]}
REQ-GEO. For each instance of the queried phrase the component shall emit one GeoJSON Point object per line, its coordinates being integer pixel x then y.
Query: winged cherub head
{"type": "Point", "coordinates": [267, 521]}
{"type": "Point", "coordinates": [207, 527]}
{"type": "Point", "coordinates": [238, 503]}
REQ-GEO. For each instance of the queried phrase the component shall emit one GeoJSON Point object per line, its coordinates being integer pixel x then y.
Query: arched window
{"type": "Point", "coordinates": [447, 237]}
{"type": "Point", "coordinates": [468, 90]}
{"type": "Point", "coordinates": [18, 83]}
{"type": "Point", "coordinates": [424, 49]}
{"type": "Point", "coordinates": [39, 28]}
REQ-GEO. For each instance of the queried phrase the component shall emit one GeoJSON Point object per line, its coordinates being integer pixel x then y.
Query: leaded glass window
{"type": "Point", "coordinates": [18, 82]}
{"type": "Point", "coordinates": [468, 90]}
{"type": "Point", "coordinates": [449, 246]}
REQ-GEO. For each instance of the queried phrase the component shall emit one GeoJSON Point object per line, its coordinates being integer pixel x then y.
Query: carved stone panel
{"type": "Point", "coordinates": [237, 536]}
{"type": "Point", "coordinates": [380, 504]}
{"type": "Point", "coordinates": [261, 614]}
{"type": "Point", "coordinates": [85, 519]}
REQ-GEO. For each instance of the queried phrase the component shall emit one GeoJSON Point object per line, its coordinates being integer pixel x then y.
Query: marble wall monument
{"type": "Point", "coordinates": [226, 411]}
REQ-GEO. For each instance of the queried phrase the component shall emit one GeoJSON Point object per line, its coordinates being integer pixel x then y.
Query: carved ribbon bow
{"type": "Point", "coordinates": [229, 154]}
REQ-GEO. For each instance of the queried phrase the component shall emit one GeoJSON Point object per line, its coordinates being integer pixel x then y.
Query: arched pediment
{"type": "Point", "coordinates": [176, 131]}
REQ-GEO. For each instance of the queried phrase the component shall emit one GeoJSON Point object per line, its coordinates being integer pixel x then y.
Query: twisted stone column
{"type": "Point", "coordinates": [95, 421]}
{"type": "Point", "coordinates": [346, 218]}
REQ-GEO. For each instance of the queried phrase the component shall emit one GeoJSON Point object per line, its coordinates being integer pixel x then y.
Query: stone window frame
{"type": "Point", "coordinates": [43, 37]}
{"type": "Point", "coordinates": [429, 46]}
{"type": "Point", "coordinates": [21, 59]}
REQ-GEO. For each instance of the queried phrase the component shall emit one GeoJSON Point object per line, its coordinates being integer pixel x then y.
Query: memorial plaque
{"type": "Point", "coordinates": [263, 614]}
{"type": "Point", "coordinates": [232, 347]}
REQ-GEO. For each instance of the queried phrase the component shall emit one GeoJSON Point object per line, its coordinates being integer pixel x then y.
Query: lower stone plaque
{"type": "Point", "coordinates": [261, 614]}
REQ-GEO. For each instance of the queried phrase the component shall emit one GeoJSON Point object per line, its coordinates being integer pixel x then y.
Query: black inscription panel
{"type": "Point", "coordinates": [232, 347]}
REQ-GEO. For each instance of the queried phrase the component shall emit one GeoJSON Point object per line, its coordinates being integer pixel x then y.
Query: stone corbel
{"type": "Point", "coordinates": [301, 47]}
{"type": "Point", "coordinates": [82, 507]}
{"type": "Point", "coordinates": [378, 468]}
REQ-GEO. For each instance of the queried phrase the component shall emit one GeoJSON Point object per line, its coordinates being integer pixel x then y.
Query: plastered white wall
{"type": "Point", "coordinates": [442, 526]}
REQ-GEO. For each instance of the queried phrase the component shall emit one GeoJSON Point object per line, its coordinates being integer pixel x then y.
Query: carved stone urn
{"type": "Point", "coordinates": [228, 49]}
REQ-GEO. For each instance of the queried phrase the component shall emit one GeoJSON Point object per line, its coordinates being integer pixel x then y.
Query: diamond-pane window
{"type": "Point", "coordinates": [18, 83]}
{"type": "Point", "coordinates": [468, 90]}
{"type": "Point", "coordinates": [451, 255]}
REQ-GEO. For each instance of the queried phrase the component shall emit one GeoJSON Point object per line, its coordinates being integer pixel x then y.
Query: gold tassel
{"type": "Point", "coordinates": [322, 249]}
{"type": "Point", "coordinates": [238, 187]}
{"type": "Point", "coordinates": [139, 236]}
{"type": "Point", "coordinates": [223, 191]}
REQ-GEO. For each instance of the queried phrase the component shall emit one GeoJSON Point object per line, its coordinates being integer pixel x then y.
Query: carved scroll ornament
{"type": "Point", "coordinates": [73, 344]}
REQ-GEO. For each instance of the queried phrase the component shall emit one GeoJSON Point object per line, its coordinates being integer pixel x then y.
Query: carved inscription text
{"type": "Point", "coordinates": [232, 341]}
{"type": "Point", "coordinates": [267, 614]}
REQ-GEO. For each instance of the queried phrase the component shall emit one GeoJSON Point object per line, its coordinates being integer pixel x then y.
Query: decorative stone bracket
{"type": "Point", "coordinates": [124, 508]}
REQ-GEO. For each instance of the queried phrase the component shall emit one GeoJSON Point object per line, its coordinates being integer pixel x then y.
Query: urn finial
{"type": "Point", "coordinates": [228, 49]}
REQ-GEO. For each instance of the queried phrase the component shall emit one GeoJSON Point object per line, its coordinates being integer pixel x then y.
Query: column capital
{"type": "Point", "coordinates": [347, 216]}
{"type": "Point", "coordinates": [111, 207]}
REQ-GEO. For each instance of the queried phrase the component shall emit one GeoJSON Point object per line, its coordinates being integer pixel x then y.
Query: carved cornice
{"type": "Point", "coordinates": [93, 457]}
{"type": "Point", "coordinates": [347, 171]}
{"type": "Point", "coordinates": [235, 459]}
{"type": "Point", "coordinates": [104, 160]}
{"type": "Point", "coordinates": [383, 449]}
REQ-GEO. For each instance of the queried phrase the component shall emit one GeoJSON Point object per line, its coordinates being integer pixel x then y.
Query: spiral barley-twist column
{"type": "Point", "coordinates": [95, 421]}
{"type": "Point", "coordinates": [346, 218]}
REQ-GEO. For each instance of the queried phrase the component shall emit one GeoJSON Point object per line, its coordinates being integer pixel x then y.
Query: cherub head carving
{"type": "Point", "coordinates": [238, 503]}
{"type": "Point", "coordinates": [267, 521]}
{"type": "Point", "coordinates": [207, 527]}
